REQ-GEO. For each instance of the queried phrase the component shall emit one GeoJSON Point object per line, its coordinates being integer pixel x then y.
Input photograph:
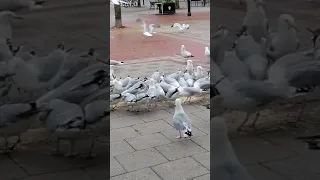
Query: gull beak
{"type": "Point", "coordinates": [294, 26]}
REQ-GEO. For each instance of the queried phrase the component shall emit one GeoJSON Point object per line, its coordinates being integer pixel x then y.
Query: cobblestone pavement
{"type": "Point", "coordinates": [143, 146]}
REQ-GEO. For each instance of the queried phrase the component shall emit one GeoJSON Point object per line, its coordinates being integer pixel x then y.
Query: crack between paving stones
{"type": "Point", "coordinates": [21, 167]}
{"type": "Point", "coordinates": [199, 163]}
{"type": "Point", "coordinates": [278, 145]}
{"type": "Point", "coordinates": [270, 169]}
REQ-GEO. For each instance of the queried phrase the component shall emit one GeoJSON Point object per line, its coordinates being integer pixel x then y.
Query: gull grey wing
{"type": "Point", "coordinates": [262, 92]}
{"type": "Point", "coordinates": [181, 121]}
{"type": "Point", "coordinates": [96, 110]}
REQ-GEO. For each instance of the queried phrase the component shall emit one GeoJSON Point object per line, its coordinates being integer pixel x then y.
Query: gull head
{"type": "Point", "coordinates": [221, 32]}
{"type": "Point", "coordinates": [9, 15]}
{"type": "Point", "coordinates": [260, 3]}
{"type": "Point", "coordinates": [287, 20]}
{"type": "Point", "coordinates": [207, 48]}
{"type": "Point", "coordinates": [178, 102]}
{"type": "Point", "coordinates": [199, 68]}
{"type": "Point", "coordinates": [183, 48]}
{"type": "Point", "coordinates": [189, 61]}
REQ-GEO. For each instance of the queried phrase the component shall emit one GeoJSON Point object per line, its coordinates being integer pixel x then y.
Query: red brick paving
{"type": "Point", "coordinates": [129, 46]}
{"type": "Point", "coordinates": [134, 45]}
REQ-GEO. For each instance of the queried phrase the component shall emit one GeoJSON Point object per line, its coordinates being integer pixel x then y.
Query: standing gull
{"type": "Point", "coordinates": [184, 53]}
{"type": "Point", "coordinates": [5, 24]}
{"type": "Point", "coordinates": [181, 121]}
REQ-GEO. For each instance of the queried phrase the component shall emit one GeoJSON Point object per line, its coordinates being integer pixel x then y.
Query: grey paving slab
{"type": "Point", "coordinates": [187, 108]}
{"type": "Point", "coordinates": [203, 159]}
{"type": "Point", "coordinates": [141, 159]}
{"type": "Point", "coordinates": [7, 167]}
{"type": "Point", "coordinates": [251, 150]}
{"type": "Point", "coordinates": [286, 139]}
{"type": "Point", "coordinates": [204, 115]}
{"type": "Point", "coordinates": [172, 134]}
{"type": "Point", "coordinates": [298, 168]}
{"type": "Point", "coordinates": [152, 127]}
{"type": "Point", "coordinates": [203, 126]}
{"type": "Point", "coordinates": [204, 177]}
{"type": "Point", "coordinates": [181, 169]}
{"type": "Point", "coordinates": [180, 149]}
{"type": "Point", "coordinates": [259, 172]}
{"type": "Point", "coordinates": [37, 162]}
{"type": "Point", "coordinates": [203, 141]}
{"type": "Point", "coordinates": [143, 174]}
{"type": "Point", "coordinates": [125, 121]}
{"type": "Point", "coordinates": [67, 175]}
{"type": "Point", "coordinates": [154, 115]}
{"type": "Point", "coordinates": [148, 141]}
{"type": "Point", "coordinates": [120, 147]}
{"type": "Point", "coordinates": [115, 168]}
{"type": "Point", "coordinates": [122, 133]}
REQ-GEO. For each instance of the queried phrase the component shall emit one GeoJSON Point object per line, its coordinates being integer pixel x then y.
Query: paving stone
{"type": "Point", "coordinates": [252, 149]}
{"type": "Point", "coordinates": [203, 159]}
{"type": "Point", "coordinates": [122, 133]}
{"type": "Point", "coordinates": [143, 174]}
{"type": "Point", "coordinates": [140, 159]}
{"type": "Point", "coordinates": [37, 162]}
{"type": "Point", "coordinates": [120, 147]}
{"type": "Point", "coordinates": [259, 172]}
{"type": "Point", "coordinates": [203, 126]}
{"type": "Point", "coordinates": [181, 169]}
{"type": "Point", "coordinates": [125, 121]}
{"type": "Point", "coordinates": [113, 115]}
{"type": "Point", "coordinates": [287, 140]}
{"type": "Point", "coordinates": [154, 115]}
{"type": "Point", "coordinates": [204, 177]}
{"type": "Point", "coordinates": [152, 127]}
{"type": "Point", "coordinates": [172, 134]}
{"type": "Point", "coordinates": [105, 170]}
{"type": "Point", "coordinates": [298, 168]}
{"type": "Point", "coordinates": [203, 141]}
{"type": "Point", "coordinates": [180, 149]}
{"type": "Point", "coordinates": [67, 175]}
{"type": "Point", "coordinates": [187, 108]}
{"type": "Point", "coordinates": [204, 115]}
{"type": "Point", "coordinates": [115, 168]}
{"type": "Point", "coordinates": [7, 167]}
{"type": "Point", "coordinates": [148, 141]}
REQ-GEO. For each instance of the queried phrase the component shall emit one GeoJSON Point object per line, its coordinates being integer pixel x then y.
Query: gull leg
{"type": "Point", "coordinates": [253, 125]}
{"type": "Point", "coordinates": [56, 152]}
{"type": "Point", "coordinates": [301, 112]}
{"type": "Point", "coordinates": [71, 152]}
{"type": "Point", "coordinates": [90, 154]}
{"type": "Point", "coordinates": [6, 144]}
{"type": "Point", "coordinates": [244, 122]}
{"type": "Point", "coordinates": [180, 136]}
{"type": "Point", "coordinates": [15, 144]}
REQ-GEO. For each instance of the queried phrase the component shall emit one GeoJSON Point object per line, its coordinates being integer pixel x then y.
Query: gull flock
{"type": "Point", "coordinates": [58, 89]}
{"type": "Point", "coordinates": [261, 66]}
